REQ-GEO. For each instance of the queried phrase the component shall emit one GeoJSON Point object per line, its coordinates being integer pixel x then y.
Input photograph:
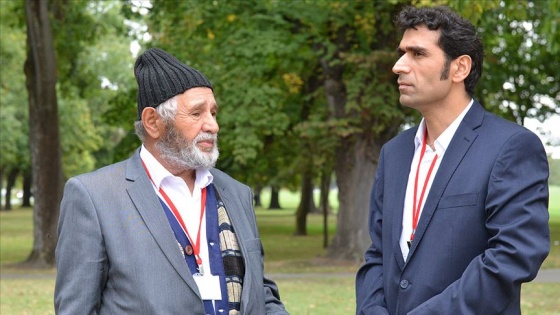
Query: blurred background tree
{"type": "Point", "coordinates": [90, 42]}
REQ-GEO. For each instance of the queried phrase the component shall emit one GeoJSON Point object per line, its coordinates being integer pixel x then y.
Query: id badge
{"type": "Point", "coordinates": [209, 286]}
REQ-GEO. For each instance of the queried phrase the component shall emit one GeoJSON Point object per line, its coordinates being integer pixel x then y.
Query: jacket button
{"type": "Point", "coordinates": [188, 250]}
{"type": "Point", "coordinates": [404, 284]}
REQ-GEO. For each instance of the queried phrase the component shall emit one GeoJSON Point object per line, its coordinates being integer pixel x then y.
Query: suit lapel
{"type": "Point", "coordinates": [403, 160]}
{"type": "Point", "coordinates": [459, 146]}
{"type": "Point", "coordinates": [146, 201]}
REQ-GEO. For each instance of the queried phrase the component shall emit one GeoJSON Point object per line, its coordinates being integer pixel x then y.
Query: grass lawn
{"type": "Point", "coordinates": [330, 292]}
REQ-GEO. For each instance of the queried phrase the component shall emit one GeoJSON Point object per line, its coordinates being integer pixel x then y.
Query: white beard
{"type": "Point", "coordinates": [183, 154]}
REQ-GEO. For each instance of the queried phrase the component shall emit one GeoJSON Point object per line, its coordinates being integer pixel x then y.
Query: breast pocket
{"type": "Point", "coordinates": [456, 201]}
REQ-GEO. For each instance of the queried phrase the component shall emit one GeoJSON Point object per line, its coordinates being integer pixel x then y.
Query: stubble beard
{"type": "Point", "coordinates": [182, 154]}
{"type": "Point", "coordinates": [410, 102]}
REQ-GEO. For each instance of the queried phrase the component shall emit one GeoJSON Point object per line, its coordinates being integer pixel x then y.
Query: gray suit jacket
{"type": "Point", "coordinates": [117, 254]}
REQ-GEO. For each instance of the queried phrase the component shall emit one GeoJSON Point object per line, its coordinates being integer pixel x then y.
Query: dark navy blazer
{"type": "Point", "coordinates": [483, 230]}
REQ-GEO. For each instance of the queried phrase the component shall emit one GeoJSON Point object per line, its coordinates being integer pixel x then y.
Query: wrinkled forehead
{"type": "Point", "coordinates": [197, 98]}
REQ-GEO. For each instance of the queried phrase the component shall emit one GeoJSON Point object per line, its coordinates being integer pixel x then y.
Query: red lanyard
{"type": "Point", "coordinates": [415, 206]}
{"type": "Point", "coordinates": [195, 246]}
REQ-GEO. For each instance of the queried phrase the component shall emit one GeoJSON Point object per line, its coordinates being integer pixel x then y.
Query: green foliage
{"type": "Point", "coordinates": [520, 79]}
{"type": "Point", "coordinates": [14, 144]}
{"type": "Point", "coordinates": [78, 140]}
{"type": "Point", "coordinates": [94, 65]}
{"type": "Point", "coordinates": [263, 57]}
{"type": "Point", "coordinates": [551, 26]}
{"type": "Point", "coordinates": [473, 10]}
{"type": "Point", "coordinates": [73, 30]}
{"type": "Point", "coordinates": [248, 52]}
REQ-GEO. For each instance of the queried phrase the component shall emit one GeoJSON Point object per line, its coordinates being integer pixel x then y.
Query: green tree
{"type": "Point", "coordinates": [520, 79]}
{"type": "Point", "coordinates": [354, 46]}
{"type": "Point", "coordinates": [90, 55]}
{"type": "Point", "coordinates": [40, 71]}
{"type": "Point", "coordinates": [94, 66]}
{"type": "Point", "coordinates": [14, 141]}
{"type": "Point", "coordinates": [249, 56]}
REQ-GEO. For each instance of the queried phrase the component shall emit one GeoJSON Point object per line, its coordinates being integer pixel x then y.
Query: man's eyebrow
{"type": "Point", "coordinates": [200, 104]}
{"type": "Point", "coordinates": [414, 49]}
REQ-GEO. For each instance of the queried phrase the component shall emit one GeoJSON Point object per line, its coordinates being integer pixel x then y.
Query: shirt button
{"type": "Point", "coordinates": [404, 284]}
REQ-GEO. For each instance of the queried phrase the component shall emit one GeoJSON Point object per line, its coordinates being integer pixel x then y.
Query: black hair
{"type": "Point", "coordinates": [457, 37]}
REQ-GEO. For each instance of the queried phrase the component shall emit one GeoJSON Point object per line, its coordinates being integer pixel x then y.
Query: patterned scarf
{"type": "Point", "coordinates": [233, 261]}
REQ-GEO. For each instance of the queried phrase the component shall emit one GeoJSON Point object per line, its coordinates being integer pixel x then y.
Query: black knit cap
{"type": "Point", "coordinates": [161, 76]}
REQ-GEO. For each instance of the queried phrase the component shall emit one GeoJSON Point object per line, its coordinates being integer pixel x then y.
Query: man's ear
{"type": "Point", "coordinates": [460, 68]}
{"type": "Point", "coordinates": [152, 122]}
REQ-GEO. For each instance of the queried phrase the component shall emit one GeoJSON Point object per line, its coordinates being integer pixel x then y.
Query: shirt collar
{"type": "Point", "coordinates": [443, 141]}
{"type": "Point", "coordinates": [159, 173]}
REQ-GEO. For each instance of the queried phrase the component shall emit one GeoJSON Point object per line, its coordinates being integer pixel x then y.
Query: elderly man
{"type": "Point", "coordinates": [163, 232]}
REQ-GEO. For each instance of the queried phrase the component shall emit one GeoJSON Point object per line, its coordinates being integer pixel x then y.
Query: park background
{"type": "Point", "coordinates": [307, 98]}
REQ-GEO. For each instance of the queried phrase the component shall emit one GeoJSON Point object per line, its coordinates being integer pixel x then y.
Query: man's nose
{"type": "Point", "coordinates": [400, 66]}
{"type": "Point", "coordinates": [210, 123]}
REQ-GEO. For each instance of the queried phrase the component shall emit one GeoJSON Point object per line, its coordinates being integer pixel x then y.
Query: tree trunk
{"type": "Point", "coordinates": [40, 71]}
{"type": "Point", "coordinates": [354, 177]}
{"type": "Point", "coordinates": [324, 202]}
{"type": "Point", "coordinates": [274, 198]}
{"type": "Point", "coordinates": [27, 183]}
{"type": "Point", "coordinates": [257, 197]}
{"type": "Point", "coordinates": [312, 206]}
{"type": "Point", "coordinates": [305, 202]}
{"type": "Point", "coordinates": [10, 183]}
{"type": "Point", "coordinates": [354, 169]}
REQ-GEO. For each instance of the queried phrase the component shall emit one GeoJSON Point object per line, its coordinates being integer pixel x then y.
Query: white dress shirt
{"type": "Point", "coordinates": [440, 145]}
{"type": "Point", "coordinates": [188, 204]}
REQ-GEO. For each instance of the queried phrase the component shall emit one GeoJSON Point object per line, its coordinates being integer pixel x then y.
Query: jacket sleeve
{"type": "Point", "coordinates": [517, 222]}
{"type": "Point", "coordinates": [273, 305]}
{"type": "Point", "coordinates": [370, 296]}
{"type": "Point", "coordinates": [80, 256]}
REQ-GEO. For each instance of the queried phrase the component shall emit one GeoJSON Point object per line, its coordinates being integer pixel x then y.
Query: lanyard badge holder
{"type": "Point", "coordinates": [208, 284]}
